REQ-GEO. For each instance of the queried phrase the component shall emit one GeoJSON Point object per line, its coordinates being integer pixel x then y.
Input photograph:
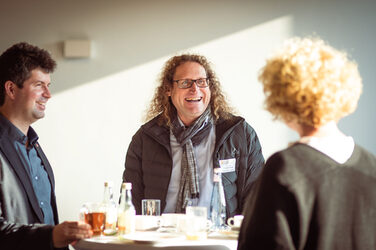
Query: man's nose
{"type": "Point", "coordinates": [46, 92]}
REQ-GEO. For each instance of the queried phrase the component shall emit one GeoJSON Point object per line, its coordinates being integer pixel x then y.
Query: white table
{"type": "Point", "coordinates": [214, 242]}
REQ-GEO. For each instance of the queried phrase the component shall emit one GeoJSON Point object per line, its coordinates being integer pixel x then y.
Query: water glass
{"type": "Point", "coordinates": [197, 223]}
{"type": "Point", "coordinates": [151, 207]}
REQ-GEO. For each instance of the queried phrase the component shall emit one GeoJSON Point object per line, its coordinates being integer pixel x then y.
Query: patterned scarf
{"type": "Point", "coordinates": [188, 138]}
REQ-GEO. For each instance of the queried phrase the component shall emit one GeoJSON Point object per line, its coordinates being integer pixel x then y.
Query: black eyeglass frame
{"type": "Point", "coordinates": [190, 82]}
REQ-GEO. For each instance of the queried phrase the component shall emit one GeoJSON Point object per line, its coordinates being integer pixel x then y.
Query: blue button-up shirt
{"type": "Point", "coordinates": [25, 147]}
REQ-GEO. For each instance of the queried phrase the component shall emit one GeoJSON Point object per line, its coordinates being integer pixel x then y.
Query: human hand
{"type": "Point", "coordinates": [70, 231]}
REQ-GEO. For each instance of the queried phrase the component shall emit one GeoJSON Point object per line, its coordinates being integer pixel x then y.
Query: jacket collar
{"type": "Point", "coordinates": [223, 128]}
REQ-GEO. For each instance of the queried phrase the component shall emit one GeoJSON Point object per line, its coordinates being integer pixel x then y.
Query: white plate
{"type": "Point", "coordinates": [142, 238]}
{"type": "Point", "coordinates": [226, 234]}
{"type": "Point", "coordinates": [148, 237]}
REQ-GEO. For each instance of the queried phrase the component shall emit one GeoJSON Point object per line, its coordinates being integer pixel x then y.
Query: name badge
{"type": "Point", "coordinates": [227, 165]}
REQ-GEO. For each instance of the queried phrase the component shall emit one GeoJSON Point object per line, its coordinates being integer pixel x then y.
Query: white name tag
{"type": "Point", "coordinates": [227, 165]}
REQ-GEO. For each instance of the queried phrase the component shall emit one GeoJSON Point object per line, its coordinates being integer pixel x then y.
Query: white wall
{"type": "Point", "coordinates": [98, 103]}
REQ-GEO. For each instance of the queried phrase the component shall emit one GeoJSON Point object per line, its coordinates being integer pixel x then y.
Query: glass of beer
{"type": "Point", "coordinates": [94, 214]}
{"type": "Point", "coordinates": [196, 223]}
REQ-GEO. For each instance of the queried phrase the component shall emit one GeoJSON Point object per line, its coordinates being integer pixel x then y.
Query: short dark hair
{"type": "Point", "coordinates": [17, 62]}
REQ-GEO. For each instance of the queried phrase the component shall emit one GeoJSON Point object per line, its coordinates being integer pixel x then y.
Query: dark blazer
{"type": "Point", "coordinates": [20, 214]}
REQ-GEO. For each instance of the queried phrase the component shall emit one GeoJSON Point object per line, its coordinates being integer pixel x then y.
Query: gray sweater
{"type": "Point", "coordinates": [306, 200]}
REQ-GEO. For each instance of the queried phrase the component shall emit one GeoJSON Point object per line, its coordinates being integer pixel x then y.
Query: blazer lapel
{"type": "Point", "coordinates": [11, 155]}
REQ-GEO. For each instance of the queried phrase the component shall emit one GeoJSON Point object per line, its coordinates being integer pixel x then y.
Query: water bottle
{"type": "Point", "coordinates": [111, 209]}
{"type": "Point", "coordinates": [218, 203]}
{"type": "Point", "coordinates": [126, 211]}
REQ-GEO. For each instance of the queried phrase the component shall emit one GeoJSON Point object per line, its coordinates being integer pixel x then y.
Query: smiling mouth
{"type": "Point", "coordinates": [193, 99]}
{"type": "Point", "coordinates": [43, 104]}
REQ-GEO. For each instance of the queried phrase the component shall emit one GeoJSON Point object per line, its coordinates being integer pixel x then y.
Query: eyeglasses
{"type": "Point", "coordinates": [187, 83]}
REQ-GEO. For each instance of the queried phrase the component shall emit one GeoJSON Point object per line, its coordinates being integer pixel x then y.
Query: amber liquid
{"type": "Point", "coordinates": [96, 220]}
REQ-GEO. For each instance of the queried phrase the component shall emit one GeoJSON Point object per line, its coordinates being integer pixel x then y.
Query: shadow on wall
{"type": "Point", "coordinates": [125, 34]}
{"type": "Point", "coordinates": [348, 25]}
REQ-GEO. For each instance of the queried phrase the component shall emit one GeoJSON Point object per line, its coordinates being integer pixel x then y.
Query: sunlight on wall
{"type": "Point", "coordinates": [237, 59]}
{"type": "Point", "coordinates": [87, 129]}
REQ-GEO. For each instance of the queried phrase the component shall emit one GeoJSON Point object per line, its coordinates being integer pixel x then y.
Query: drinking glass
{"type": "Point", "coordinates": [151, 207]}
{"type": "Point", "coordinates": [196, 223]}
{"type": "Point", "coordinates": [94, 214]}
{"type": "Point", "coordinates": [170, 222]}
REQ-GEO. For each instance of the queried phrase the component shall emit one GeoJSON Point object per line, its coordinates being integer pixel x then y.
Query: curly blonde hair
{"type": "Point", "coordinates": [310, 82]}
{"type": "Point", "coordinates": [161, 102]}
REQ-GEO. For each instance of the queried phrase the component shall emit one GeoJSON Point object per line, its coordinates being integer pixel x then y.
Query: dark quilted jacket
{"type": "Point", "coordinates": [148, 163]}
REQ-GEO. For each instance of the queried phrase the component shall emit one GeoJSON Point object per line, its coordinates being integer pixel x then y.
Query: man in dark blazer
{"type": "Point", "coordinates": [28, 211]}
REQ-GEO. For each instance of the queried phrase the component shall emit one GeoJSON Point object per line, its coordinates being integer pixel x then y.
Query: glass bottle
{"type": "Point", "coordinates": [218, 203]}
{"type": "Point", "coordinates": [126, 211]}
{"type": "Point", "coordinates": [111, 209]}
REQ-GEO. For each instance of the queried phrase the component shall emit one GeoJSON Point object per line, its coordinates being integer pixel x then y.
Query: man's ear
{"type": "Point", "coordinates": [10, 89]}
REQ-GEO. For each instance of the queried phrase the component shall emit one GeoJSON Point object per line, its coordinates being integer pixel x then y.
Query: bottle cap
{"type": "Point", "coordinates": [127, 185]}
{"type": "Point", "coordinates": [108, 183]}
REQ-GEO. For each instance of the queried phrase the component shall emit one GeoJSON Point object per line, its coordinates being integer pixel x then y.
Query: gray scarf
{"type": "Point", "coordinates": [188, 138]}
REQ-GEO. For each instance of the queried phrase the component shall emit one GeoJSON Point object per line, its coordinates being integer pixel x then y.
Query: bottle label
{"type": "Point", "coordinates": [127, 222]}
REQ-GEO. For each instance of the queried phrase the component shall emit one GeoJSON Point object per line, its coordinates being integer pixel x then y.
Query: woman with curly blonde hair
{"type": "Point", "coordinates": [320, 192]}
{"type": "Point", "coordinates": [191, 131]}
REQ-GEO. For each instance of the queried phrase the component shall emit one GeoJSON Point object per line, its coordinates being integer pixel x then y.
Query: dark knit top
{"type": "Point", "coordinates": [306, 200]}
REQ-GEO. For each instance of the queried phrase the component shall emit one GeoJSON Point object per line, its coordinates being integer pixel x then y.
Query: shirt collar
{"type": "Point", "coordinates": [339, 148]}
{"type": "Point", "coordinates": [32, 135]}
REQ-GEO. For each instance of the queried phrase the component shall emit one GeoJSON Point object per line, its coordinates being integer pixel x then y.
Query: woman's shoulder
{"type": "Point", "coordinates": [294, 164]}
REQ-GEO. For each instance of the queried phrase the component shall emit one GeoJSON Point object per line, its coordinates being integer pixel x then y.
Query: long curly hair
{"type": "Point", "coordinates": [310, 82]}
{"type": "Point", "coordinates": [161, 103]}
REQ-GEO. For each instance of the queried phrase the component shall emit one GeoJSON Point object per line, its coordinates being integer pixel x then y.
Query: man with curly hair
{"type": "Point", "coordinates": [320, 192]}
{"type": "Point", "coordinates": [191, 131]}
{"type": "Point", "coordinates": [28, 211]}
